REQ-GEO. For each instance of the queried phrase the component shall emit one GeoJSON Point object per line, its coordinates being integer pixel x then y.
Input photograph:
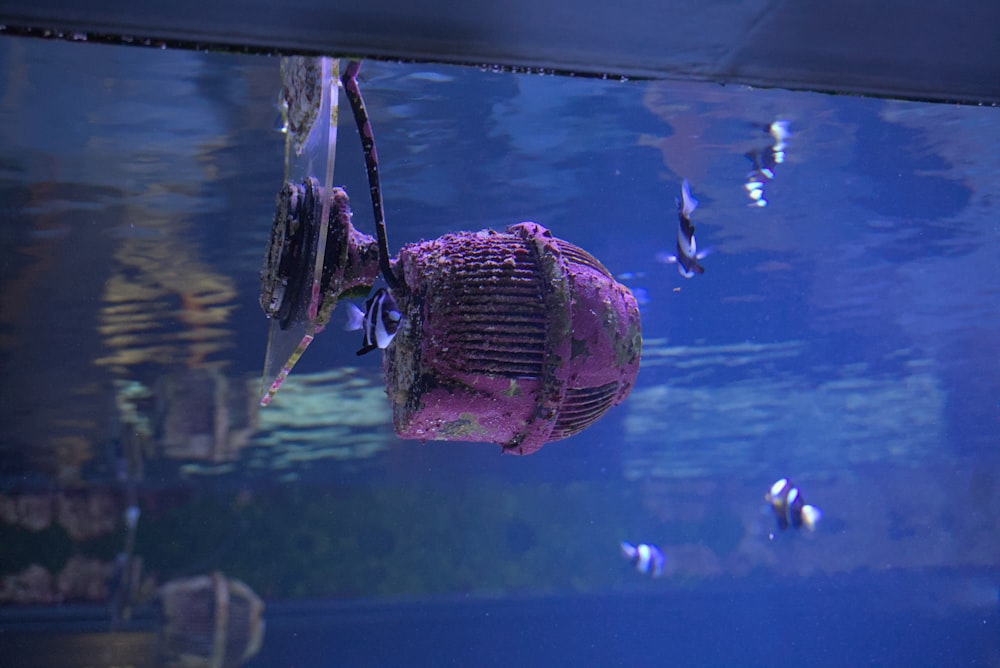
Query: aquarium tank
{"type": "Point", "coordinates": [619, 339]}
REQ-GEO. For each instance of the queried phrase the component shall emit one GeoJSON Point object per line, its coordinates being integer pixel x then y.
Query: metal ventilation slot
{"type": "Point", "coordinates": [577, 255]}
{"type": "Point", "coordinates": [499, 249]}
{"type": "Point", "coordinates": [495, 339]}
{"type": "Point", "coordinates": [582, 407]}
{"type": "Point", "coordinates": [485, 300]}
{"type": "Point", "coordinates": [522, 278]}
{"type": "Point", "coordinates": [483, 321]}
{"type": "Point", "coordinates": [520, 368]}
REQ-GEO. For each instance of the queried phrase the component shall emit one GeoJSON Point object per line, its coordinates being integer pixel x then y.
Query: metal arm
{"type": "Point", "coordinates": [350, 81]}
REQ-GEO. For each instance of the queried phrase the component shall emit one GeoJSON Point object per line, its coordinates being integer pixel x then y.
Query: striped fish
{"type": "Point", "coordinates": [378, 321]}
{"type": "Point", "coordinates": [647, 559]}
{"type": "Point", "coordinates": [687, 246]}
{"type": "Point", "coordinates": [790, 508]}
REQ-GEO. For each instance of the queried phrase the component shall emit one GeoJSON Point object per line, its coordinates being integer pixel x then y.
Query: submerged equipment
{"type": "Point", "coordinates": [515, 337]}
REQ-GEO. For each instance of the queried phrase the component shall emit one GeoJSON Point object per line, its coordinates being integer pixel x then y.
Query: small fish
{"type": "Point", "coordinates": [779, 130]}
{"type": "Point", "coordinates": [687, 246]}
{"type": "Point", "coordinates": [647, 559]}
{"type": "Point", "coordinates": [762, 164]}
{"type": "Point", "coordinates": [762, 171]}
{"type": "Point", "coordinates": [790, 508]}
{"type": "Point", "coordinates": [379, 321]}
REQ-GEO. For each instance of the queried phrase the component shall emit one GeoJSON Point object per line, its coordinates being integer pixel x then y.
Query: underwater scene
{"type": "Point", "coordinates": [611, 372]}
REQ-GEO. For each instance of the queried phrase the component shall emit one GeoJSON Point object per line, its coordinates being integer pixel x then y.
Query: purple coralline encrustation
{"type": "Point", "coordinates": [517, 338]}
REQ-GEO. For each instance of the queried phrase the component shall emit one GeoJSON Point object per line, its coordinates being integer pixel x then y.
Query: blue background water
{"type": "Point", "coordinates": [845, 335]}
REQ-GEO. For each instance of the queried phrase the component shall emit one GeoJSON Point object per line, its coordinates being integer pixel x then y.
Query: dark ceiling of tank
{"type": "Point", "coordinates": [938, 51]}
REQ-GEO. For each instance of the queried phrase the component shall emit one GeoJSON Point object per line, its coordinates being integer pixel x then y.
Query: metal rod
{"type": "Point", "coordinates": [350, 81]}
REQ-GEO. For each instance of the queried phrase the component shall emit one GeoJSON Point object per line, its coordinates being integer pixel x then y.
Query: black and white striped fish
{"type": "Point", "coordinates": [687, 246]}
{"type": "Point", "coordinates": [379, 321]}
{"type": "Point", "coordinates": [764, 160]}
{"type": "Point", "coordinates": [790, 508]}
{"type": "Point", "coordinates": [647, 559]}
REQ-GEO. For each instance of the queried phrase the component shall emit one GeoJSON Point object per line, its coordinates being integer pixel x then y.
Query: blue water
{"type": "Point", "coordinates": [844, 335]}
